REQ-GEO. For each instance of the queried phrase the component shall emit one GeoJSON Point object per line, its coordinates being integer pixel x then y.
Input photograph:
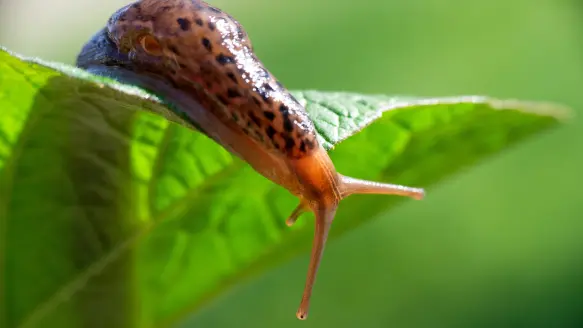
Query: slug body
{"type": "Point", "coordinates": [201, 58]}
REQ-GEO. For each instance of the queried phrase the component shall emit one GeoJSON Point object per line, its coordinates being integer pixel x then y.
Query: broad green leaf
{"type": "Point", "coordinates": [113, 215]}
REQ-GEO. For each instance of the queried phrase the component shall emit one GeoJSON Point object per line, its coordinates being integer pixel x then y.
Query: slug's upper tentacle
{"type": "Point", "coordinates": [203, 50]}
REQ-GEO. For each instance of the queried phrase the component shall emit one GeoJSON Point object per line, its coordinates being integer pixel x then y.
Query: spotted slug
{"type": "Point", "coordinates": [201, 59]}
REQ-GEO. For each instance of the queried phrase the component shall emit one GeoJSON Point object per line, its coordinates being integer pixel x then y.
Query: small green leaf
{"type": "Point", "coordinates": [112, 215]}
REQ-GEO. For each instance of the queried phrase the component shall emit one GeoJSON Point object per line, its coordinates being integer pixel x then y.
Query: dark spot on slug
{"type": "Point", "coordinates": [268, 114]}
{"type": "Point", "coordinates": [215, 10]}
{"type": "Point", "coordinates": [240, 33]}
{"type": "Point", "coordinates": [267, 87]}
{"type": "Point", "coordinates": [284, 110]}
{"type": "Point", "coordinates": [233, 77]}
{"type": "Point", "coordinates": [166, 8]}
{"type": "Point", "coordinates": [223, 60]}
{"type": "Point", "coordinates": [274, 143]}
{"type": "Point", "coordinates": [198, 22]}
{"type": "Point", "coordinates": [184, 24]}
{"type": "Point", "coordinates": [174, 49]}
{"type": "Point", "coordinates": [254, 118]}
{"type": "Point", "coordinates": [223, 100]}
{"type": "Point", "coordinates": [279, 84]}
{"type": "Point", "coordinates": [263, 94]}
{"type": "Point", "coordinates": [235, 117]}
{"type": "Point", "coordinates": [270, 132]}
{"type": "Point", "coordinates": [182, 65]}
{"type": "Point", "coordinates": [212, 26]}
{"type": "Point", "coordinates": [233, 93]}
{"type": "Point", "coordinates": [287, 124]}
{"type": "Point", "coordinates": [311, 145]}
{"type": "Point", "coordinates": [303, 147]}
{"type": "Point", "coordinates": [289, 142]}
{"type": "Point", "coordinates": [207, 44]}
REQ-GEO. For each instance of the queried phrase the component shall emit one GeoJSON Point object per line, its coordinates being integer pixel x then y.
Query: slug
{"type": "Point", "coordinates": [200, 58]}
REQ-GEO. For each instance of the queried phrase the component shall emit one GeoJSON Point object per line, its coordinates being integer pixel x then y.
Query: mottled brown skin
{"type": "Point", "coordinates": [202, 44]}
{"type": "Point", "coordinates": [207, 59]}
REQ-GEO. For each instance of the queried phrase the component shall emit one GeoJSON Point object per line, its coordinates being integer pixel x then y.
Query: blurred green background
{"type": "Point", "coordinates": [498, 246]}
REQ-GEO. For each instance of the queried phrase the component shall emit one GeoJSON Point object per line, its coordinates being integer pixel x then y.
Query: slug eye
{"type": "Point", "coordinates": [150, 45]}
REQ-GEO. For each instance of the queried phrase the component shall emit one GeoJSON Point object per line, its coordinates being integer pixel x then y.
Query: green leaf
{"type": "Point", "coordinates": [113, 215]}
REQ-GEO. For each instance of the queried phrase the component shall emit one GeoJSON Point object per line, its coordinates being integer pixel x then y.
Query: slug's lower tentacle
{"type": "Point", "coordinates": [302, 208]}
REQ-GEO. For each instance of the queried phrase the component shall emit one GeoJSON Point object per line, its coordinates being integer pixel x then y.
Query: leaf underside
{"type": "Point", "coordinates": [111, 214]}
